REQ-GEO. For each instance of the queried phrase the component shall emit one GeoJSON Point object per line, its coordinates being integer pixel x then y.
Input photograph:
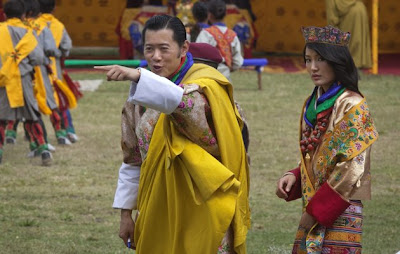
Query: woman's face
{"type": "Point", "coordinates": [162, 53]}
{"type": "Point", "coordinates": [320, 70]}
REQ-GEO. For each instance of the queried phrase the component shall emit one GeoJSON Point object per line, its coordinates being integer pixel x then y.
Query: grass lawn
{"type": "Point", "coordinates": [66, 208]}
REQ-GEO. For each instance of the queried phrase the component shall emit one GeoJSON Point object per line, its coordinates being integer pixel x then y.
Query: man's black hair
{"type": "Point", "coordinates": [160, 22]}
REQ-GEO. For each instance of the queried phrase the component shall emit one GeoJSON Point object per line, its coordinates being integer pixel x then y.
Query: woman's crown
{"type": "Point", "coordinates": [328, 34]}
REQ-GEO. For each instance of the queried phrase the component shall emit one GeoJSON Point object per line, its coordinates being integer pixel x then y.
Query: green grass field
{"type": "Point", "coordinates": [66, 208]}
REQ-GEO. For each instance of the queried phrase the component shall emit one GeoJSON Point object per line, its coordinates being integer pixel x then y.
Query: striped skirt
{"type": "Point", "coordinates": [344, 237]}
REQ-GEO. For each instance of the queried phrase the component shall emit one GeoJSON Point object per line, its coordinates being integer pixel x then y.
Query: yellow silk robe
{"type": "Point", "coordinates": [188, 198]}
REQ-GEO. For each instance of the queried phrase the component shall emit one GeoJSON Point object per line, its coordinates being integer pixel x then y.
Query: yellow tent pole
{"type": "Point", "coordinates": [375, 5]}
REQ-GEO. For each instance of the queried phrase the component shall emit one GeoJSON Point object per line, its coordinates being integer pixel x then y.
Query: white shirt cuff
{"type": "Point", "coordinates": [127, 187]}
{"type": "Point", "coordinates": [155, 92]}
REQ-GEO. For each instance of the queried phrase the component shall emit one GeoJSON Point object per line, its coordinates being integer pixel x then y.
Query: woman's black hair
{"type": "Point", "coordinates": [14, 9]}
{"type": "Point", "coordinates": [47, 6]}
{"type": "Point", "coordinates": [200, 11]}
{"type": "Point", "coordinates": [160, 22]}
{"type": "Point", "coordinates": [217, 8]}
{"type": "Point", "coordinates": [340, 59]}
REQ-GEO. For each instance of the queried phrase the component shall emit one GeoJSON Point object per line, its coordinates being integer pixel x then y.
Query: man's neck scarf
{"type": "Point", "coordinates": [318, 108]}
{"type": "Point", "coordinates": [186, 63]}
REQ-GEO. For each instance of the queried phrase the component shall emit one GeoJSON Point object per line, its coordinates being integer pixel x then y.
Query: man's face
{"type": "Point", "coordinates": [162, 53]}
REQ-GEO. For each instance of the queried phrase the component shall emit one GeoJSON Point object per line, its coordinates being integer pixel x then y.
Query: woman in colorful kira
{"type": "Point", "coordinates": [336, 134]}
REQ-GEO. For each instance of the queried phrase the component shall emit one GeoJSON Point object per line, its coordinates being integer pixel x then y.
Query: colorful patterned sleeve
{"type": "Point", "coordinates": [346, 176]}
{"type": "Point", "coordinates": [333, 197]}
{"type": "Point", "coordinates": [129, 142]}
{"type": "Point", "coordinates": [194, 120]}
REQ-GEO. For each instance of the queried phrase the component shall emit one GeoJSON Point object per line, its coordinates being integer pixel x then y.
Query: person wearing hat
{"type": "Point", "coordinates": [336, 134]}
{"type": "Point", "coordinates": [205, 53]}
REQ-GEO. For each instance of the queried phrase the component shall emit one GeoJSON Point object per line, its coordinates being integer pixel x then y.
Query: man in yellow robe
{"type": "Point", "coordinates": [185, 167]}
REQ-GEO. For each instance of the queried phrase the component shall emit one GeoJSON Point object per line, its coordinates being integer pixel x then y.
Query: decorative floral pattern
{"type": "Point", "coordinates": [208, 138]}
{"type": "Point", "coordinates": [145, 128]}
{"type": "Point", "coordinates": [352, 135]}
{"type": "Point", "coordinates": [328, 34]}
{"type": "Point", "coordinates": [224, 249]}
{"type": "Point", "coordinates": [15, 55]}
{"type": "Point", "coordinates": [192, 118]}
{"type": "Point", "coordinates": [187, 103]}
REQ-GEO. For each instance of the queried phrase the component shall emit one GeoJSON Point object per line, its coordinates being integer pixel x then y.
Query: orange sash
{"type": "Point", "coordinates": [224, 41]}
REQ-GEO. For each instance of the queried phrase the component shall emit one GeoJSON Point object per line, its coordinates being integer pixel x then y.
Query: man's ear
{"type": "Point", "coordinates": [184, 48]}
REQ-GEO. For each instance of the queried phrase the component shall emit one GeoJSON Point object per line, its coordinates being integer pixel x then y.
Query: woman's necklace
{"type": "Point", "coordinates": [311, 138]}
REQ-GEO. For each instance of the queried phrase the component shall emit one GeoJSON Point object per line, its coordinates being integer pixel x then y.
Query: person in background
{"type": "Point", "coordinates": [336, 134]}
{"type": "Point", "coordinates": [43, 87]}
{"type": "Point", "coordinates": [220, 36]}
{"type": "Point", "coordinates": [67, 99]}
{"type": "Point", "coordinates": [185, 168]}
{"type": "Point", "coordinates": [200, 15]}
{"type": "Point", "coordinates": [352, 16]}
{"type": "Point", "coordinates": [19, 53]}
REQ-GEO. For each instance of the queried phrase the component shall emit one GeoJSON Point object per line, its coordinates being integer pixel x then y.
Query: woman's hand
{"type": "Point", "coordinates": [285, 184]}
{"type": "Point", "coordinates": [127, 228]}
{"type": "Point", "coordinates": [307, 221]}
{"type": "Point", "coordinates": [120, 73]}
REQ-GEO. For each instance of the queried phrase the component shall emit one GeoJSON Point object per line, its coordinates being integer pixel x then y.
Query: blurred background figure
{"type": "Point", "coordinates": [240, 17]}
{"type": "Point", "coordinates": [131, 22]}
{"type": "Point", "coordinates": [123, 29]}
{"type": "Point", "coordinates": [200, 15]}
{"type": "Point", "coordinates": [222, 37]}
{"type": "Point", "coordinates": [352, 16]}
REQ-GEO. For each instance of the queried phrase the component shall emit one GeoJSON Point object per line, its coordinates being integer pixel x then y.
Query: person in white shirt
{"type": "Point", "coordinates": [223, 38]}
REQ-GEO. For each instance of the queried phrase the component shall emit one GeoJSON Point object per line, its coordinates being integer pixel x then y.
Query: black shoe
{"type": "Point", "coordinates": [47, 158]}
